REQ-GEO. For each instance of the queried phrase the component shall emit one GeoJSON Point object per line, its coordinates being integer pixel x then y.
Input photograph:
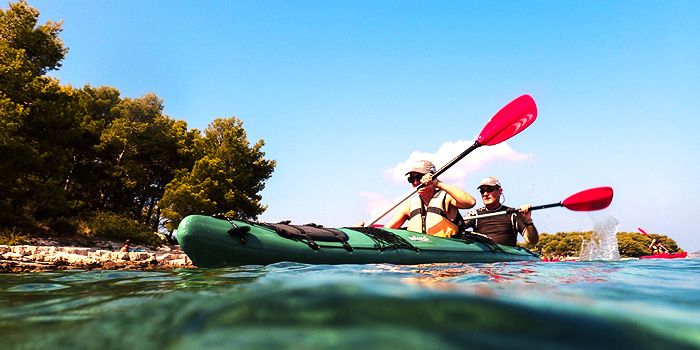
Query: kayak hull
{"type": "Point", "coordinates": [208, 242]}
{"type": "Point", "coordinates": [678, 255]}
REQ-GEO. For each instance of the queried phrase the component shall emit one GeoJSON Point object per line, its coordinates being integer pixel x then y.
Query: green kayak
{"type": "Point", "coordinates": [212, 242]}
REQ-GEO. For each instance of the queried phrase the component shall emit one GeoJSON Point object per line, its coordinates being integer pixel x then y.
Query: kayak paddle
{"type": "Point", "coordinates": [512, 119]}
{"type": "Point", "coordinates": [587, 200]}
{"type": "Point", "coordinates": [642, 231]}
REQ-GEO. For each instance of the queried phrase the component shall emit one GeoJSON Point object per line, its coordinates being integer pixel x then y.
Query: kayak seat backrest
{"type": "Point", "coordinates": [309, 234]}
{"type": "Point", "coordinates": [477, 237]}
{"type": "Point", "coordinates": [471, 237]}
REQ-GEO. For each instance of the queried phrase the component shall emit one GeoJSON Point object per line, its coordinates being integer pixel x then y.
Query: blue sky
{"type": "Point", "coordinates": [346, 93]}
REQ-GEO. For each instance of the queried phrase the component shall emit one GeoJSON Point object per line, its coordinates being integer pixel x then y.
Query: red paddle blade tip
{"type": "Point", "coordinates": [513, 118]}
{"type": "Point", "coordinates": [642, 231]}
{"type": "Point", "coordinates": [591, 199]}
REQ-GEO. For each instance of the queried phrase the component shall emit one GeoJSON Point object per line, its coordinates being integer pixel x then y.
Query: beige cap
{"type": "Point", "coordinates": [489, 181]}
{"type": "Point", "coordinates": [422, 167]}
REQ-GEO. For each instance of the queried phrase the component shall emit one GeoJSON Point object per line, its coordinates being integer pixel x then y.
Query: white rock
{"type": "Point", "coordinates": [100, 253]}
{"type": "Point", "coordinates": [137, 256]}
{"type": "Point", "coordinates": [24, 249]}
{"type": "Point", "coordinates": [178, 262]}
{"type": "Point", "coordinates": [12, 255]}
{"type": "Point", "coordinates": [75, 250]}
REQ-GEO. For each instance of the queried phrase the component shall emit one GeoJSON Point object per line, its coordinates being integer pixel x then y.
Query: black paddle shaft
{"type": "Point", "coordinates": [453, 161]}
{"type": "Point", "coordinates": [511, 211]}
{"type": "Point", "coordinates": [457, 159]}
{"type": "Point", "coordinates": [545, 206]}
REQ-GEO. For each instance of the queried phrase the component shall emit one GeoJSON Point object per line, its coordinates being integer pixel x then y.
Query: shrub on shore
{"type": "Point", "coordinates": [12, 237]}
{"type": "Point", "coordinates": [112, 226]}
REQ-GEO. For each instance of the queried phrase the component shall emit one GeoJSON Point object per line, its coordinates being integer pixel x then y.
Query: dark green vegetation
{"type": "Point", "coordinates": [88, 161]}
{"type": "Point", "coordinates": [631, 244]}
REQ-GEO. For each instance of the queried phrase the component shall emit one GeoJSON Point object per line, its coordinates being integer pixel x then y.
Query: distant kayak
{"type": "Point", "coordinates": [665, 256]}
{"type": "Point", "coordinates": [212, 242]}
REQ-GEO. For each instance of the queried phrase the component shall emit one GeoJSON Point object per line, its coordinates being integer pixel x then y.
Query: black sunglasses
{"type": "Point", "coordinates": [414, 177]}
{"type": "Point", "coordinates": [484, 189]}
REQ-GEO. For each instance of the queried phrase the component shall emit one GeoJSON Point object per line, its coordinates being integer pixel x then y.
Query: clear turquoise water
{"type": "Point", "coordinates": [629, 304]}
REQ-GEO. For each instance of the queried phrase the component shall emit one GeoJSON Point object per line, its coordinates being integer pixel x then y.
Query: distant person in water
{"type": "Point", "coordinates": [125, 247]}
{"type": "Point", "coordinates": [657, 248]}
{"type": "Point", "coordinates": [502, 229]}
{"type": "Point", "coordinates": [435, 211]}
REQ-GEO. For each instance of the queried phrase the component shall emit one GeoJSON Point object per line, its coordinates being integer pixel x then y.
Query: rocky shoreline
{"type": "Point", "coordinates": [102, 256]}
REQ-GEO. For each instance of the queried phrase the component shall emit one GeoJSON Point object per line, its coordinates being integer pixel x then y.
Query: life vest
{"type": "Point", "coordinates": [433, 219]}
{"type": "Point", "coordinates": [503, 229]}
{"type": "Point", "coordinates": [484, 210]}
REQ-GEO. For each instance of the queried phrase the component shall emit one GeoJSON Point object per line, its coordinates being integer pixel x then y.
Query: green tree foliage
{"type": "Point", "coordinates": [142, 148]}
{"type": "Point", "coordinates": [561, 243]}
{"type": "Point", "coordinates": [71, 156]}
{"type": "Point", "coordinates": [35, 126]}
{"type": "Point", "coordinates": [630, 244]}
{"type": "Point", "coordinates": [39, 46]}
{"type": "Point", "coordinates": [226, 179]}
{"type": "Point", "coordinates": [88, 177]}
{"type": "Point", "coordinates": [125, 154]}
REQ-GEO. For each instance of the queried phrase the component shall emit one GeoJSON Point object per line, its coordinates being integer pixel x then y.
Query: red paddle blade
{"type": "Point", "coordinates": [590, 199]}
{"type": "Point", "coordinates": [509, 121]}
{"type": "Point", "coordinates": [642, 231]}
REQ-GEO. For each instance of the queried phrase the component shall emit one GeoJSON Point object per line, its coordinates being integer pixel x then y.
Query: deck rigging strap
{"type": "Point", "coordinates": [383, 239]}
{"type": "Point", "coordinates": [309, 234]}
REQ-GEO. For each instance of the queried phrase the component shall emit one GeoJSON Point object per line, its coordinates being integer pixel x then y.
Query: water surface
{"type": "Point", "coordinates": [532, 305]}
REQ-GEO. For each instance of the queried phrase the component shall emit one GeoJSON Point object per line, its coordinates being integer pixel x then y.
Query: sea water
{"type": "Point", "coordinates": [631, 304]}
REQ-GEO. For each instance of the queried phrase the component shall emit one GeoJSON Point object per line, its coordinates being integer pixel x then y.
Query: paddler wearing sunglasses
{"type": "Point", "coordinates": [502, 229]}
{"type": "Point", "coordinates": [435, 211]}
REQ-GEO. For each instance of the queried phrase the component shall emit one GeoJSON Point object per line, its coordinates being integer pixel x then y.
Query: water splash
{"type": "Point", "coordinates": [603, 242]}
